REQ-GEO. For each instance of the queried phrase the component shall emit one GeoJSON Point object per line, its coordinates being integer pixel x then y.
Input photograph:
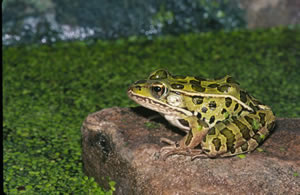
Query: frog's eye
{"type": "Point", "coordinates": [158, 90]}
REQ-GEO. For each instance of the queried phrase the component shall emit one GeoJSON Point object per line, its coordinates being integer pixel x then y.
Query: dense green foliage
{"type": "Point", "coordinates": [49, 90]}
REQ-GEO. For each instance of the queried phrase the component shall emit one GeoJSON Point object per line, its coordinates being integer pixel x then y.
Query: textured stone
{"type": "Point", "coordinates": [123, 144]}
{"type": "Point", "coordinates": [269, 13]}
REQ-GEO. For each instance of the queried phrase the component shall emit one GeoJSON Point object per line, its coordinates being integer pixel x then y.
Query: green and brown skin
{"type": "Point", "coordinates": [220, 118]}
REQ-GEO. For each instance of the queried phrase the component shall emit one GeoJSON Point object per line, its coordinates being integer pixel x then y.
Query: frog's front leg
{"type": "Point", "coordinates": [186, 146]}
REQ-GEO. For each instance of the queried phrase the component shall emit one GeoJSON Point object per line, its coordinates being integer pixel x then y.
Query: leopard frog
{"type": "Point", "coordinates": [219, 118]}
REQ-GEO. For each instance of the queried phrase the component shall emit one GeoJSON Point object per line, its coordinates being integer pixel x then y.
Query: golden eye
{"type": "Point", "coordinates": [158, 90]}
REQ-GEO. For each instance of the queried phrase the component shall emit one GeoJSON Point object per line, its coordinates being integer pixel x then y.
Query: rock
{"type": "Point", "coordinates": [123, 144]}
{"type": "Point", "coordinates": [269, 13]}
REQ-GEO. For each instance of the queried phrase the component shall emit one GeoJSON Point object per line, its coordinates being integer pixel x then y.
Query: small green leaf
{"type": "Point", "coordinates": [262, 136]}
{"type": "Point", "coordinates": [241, 156]}
{"type": "Point", "coordinates": [151, 125]}
{"type": "Point", "coordinates": [226, 114]}
{"type": "Point", "coordinates": [282, 149]}
{"type": "Point", "coordinates": [255, 124]}
{"type": "Point", "coordinates": [260, 150]}
{"type": "Point", "coordinates": [199, 128]}
{"type": "Point", "coordinates": [295, 174]}
{"type": "Point", "coordinates": [112, 185]}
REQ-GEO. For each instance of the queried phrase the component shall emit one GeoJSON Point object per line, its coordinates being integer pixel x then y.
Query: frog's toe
{"type": "Point", "coordinates": [170, 142]}
{"type": "Point", "coordinates": [198, 154]}
{"type": "Point", "coordinates": [167, 151]}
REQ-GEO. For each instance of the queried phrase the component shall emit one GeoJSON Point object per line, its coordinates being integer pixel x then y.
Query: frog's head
{"type": "Point", "coordinates": [155, 93]}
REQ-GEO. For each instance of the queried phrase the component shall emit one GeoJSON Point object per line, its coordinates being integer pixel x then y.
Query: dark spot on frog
{"type": "Point", "coordinates": [214, 85]}
{"type": "Point", "coordinates": [218, 122]}
{"type": "Point", "coordinates": [194, 82]}
{"type": "Point", "coordinates": [243, 96]}
{"type": "Point", "coordinates": [199, 115]}
{"type": "Point", "coordinates": [240, 112]}
{"type": "Point", "coordinates": [262, 118]}
{"type": "Point", "coordinates": [223, 88]}
{"type": "Point", "coordinates": [254, 108]}
{"type": "Point", "coordinates": [197, 100]}
{"type": "Point", "coordinates": [223, 111]}
{"type": "Point", "coordinates": [234, 118]}
{"type": "Point", "coordinates": [230, 138]}
{"type": "Point", "coordinates": [177, 86]}
{"type": "Point", "coordinates": [227, 116]}
{"type": "Point", "coordinates": [236, 107]}
{"type": "Point", "coordinates": [196, 86]}
{"type": "Point", "coordinates": [212, 105]}
{"type": "Point", "coordinates": [217, 143]}
{"type": "Point", "coordinates": [250, 121]}
{"type": "Point", "coordinates": [212, 119]}
{"type": "Point", "coordinates": [228, 102]}
{"type": "Point", "coordinates": [226, 122]}
{"type": "Point", "coordinates": [243, 128]}
{"type": "Point", "coordinates": [204, 109]}
{"type": "Point", "coordinates": [200, 78]}
{"type": "Point", "coordinates": [211, 131]}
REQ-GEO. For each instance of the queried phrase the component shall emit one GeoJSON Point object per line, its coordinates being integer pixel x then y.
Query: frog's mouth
{"type": "Point", "coordinates": [158, 106]}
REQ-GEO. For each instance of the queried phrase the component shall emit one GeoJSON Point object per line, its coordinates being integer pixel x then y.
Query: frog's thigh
{"type": "Point", "coordinates": [237, 135]}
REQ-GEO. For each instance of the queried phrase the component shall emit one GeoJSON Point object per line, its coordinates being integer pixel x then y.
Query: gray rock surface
{"type": "Point", "coordinates": [123, 144]}
{"type": "Point", "coordinates": [269, 13]}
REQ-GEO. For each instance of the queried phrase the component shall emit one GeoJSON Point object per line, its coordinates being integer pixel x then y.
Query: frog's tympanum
{"type": "Point", "coordinates": [219, 118]}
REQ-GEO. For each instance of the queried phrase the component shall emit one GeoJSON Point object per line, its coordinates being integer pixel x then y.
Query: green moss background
{"type": "Point", "coordinates": [48, 90]}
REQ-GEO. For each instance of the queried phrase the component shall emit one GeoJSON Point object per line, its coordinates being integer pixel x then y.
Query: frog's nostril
{"type": "Point", "coordinates": [138, 87]}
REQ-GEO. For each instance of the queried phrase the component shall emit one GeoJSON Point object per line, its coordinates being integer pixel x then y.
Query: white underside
{"type": "Point", "coordinates": [175, 121]}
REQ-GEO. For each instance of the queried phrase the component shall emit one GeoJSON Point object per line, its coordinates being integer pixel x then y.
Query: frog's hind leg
{"type": "Point", "coordinates": [239, 134]}
{"type": "Point", "coordinates": [262, 123]}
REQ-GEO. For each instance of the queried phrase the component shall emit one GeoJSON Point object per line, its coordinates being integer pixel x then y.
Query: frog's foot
{"type": "Point", "coordinates": [193, 153]}
{"type": "Point", "coordinates": [199, 155]}
{"type": "Point", "coordinates": [174, 148]}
